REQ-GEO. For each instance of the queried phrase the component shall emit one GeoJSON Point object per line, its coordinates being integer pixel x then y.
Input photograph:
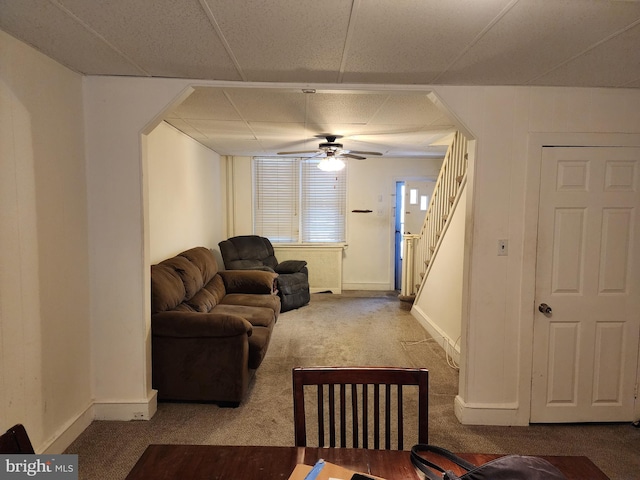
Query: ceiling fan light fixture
{"type": "Point", "coordinates": [331, 164]}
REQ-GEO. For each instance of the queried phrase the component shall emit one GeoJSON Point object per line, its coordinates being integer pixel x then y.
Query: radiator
{"type": "Point", "coordinates": [323, 261]}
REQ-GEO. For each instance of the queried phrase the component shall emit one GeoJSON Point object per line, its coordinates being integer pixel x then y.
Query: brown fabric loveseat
{"type": "Point", "coordinates": [210, 330]}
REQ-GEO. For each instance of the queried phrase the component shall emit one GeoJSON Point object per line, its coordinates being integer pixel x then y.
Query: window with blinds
{"type": "Point", "coordinates": [296, 202]}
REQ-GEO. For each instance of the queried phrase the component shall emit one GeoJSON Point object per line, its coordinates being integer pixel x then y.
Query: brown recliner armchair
{"type": "Point", "coordinates": [252, 252]}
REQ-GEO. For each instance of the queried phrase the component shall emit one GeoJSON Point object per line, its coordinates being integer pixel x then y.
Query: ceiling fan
{"type": "Point", "coordinates": [330, 148]}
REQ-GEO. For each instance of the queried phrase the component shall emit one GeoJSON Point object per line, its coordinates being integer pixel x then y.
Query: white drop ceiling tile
{"type": "Point", "coordinates": [239, 147]}
{"type": "Point", "coordinates": [407, 110]}
{"type": "Point", "coordinates": [430, 152]}
{"type": "Point", "coordinates": [275, 144]}
{"type": "Point", "coordinates": [344, 108]}
{"type": "Point", "coordinates": [344, 130]}
{"type": "Point", "coordinates": [210, 145]}
{"type": "Point", "coordinates": [51, 31]}
{"type": "Point", "coordinates": [371, 146]}
{"type": "Point", "coordinates": [411, 135]}
{"type": "Point", "coordinates": [535, 36]}
{"type": "Point", "coordinates": [279, 130]}
{"type": "Point", "coordinates": [272, 105]}
{"type": "Point", "coordinates": [221, 128]}
{"type": "Point", "coordinates": [207, 103]}
{"type": "Point", "coordinates": [168, 38]}
{"type": "Point", "coordinates": [412, 41]}
{"type": "Point", "coordinates": [287, 40]}
{"type": "Point", "coordinates": [618, 63]}
{"type": "Point", "coordinates": [292, 146]}
{"type": "Point", "coordinates": [181, 125]}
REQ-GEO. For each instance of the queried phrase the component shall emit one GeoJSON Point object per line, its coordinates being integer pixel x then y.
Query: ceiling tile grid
{"type": "Point", "coordinates": [252, 121]}
{"type": "Point", "coordinates": [581, 43]}
{"type": "Point", "coordinates": [488, 42]}
{"type": "Point", "coordinates": [55, 33]}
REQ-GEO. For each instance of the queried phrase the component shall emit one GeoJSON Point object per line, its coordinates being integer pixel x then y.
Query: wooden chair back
{"type": "Point", "coordinates": [16, 440]}
{"type": "Point", "coordinates": [360, 398]}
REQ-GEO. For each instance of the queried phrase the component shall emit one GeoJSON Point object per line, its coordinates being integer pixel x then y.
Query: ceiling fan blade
{"type": "Point", "coordinates": [298, 152]}
{"type": "Point", "coordinates": [350, 155]}
{"type": "Point", "coordinates": [364, 153]}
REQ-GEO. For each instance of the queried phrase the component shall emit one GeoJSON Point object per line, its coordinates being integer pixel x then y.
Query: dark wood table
{"type": "Point", "coordinates": [212, 462]}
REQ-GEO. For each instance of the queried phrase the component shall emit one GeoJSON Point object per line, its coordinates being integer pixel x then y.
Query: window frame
{"type": "Point", "coordinates": [304, 166]}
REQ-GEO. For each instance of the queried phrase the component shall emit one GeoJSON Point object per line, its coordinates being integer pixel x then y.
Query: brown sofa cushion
{"type": "Point", "coordinates": [258, 344]}
{"type": "Point", "coordinates": [202, 258]}
{"type": "Point", "coordinates": [216, 288]}
{"type": "Point", "coordinates": [256, 316]}
{"type": "Point", "coordinates": [167, 289]}
{"type": "Point", "coordinates": [203, 301]}
{"type": "Point", "coordinates": [248, 281]}
{"type": "Point", "coordinates": [198, 325]}
{"type": "Point", "coordinates": [252, 300]}
{"type": "Point", "coordinates": [190, 274]}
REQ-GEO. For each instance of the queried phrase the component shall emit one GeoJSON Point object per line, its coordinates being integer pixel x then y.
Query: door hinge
{"type": "Point", "coordinates": [635, 391]}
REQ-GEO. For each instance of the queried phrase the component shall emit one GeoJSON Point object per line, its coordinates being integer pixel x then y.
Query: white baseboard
{"type": "Point", "coordinates": [99, 411]}
{"type": "Point", "coordinates": [143, 410]}
{"type": "Point", "coordinates": [68, 433]}
{"type": "Point", "coordinates": [367, 286]}
{"type": "Point", "coordinates": [451, 347]}
{"type": "Point", "coordinates": [336, 290]}
{"type": "Point", "coordinates": [505, 415]}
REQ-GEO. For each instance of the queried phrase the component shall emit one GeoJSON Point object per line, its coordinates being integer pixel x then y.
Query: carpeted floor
{"type": "Point", "coordinates": [356, 328]}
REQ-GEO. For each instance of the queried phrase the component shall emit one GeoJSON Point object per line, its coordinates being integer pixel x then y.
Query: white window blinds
{"type": "Point", "coordinates": [276, 211]}
{"type": "Point", "coordinates": [323, 203]}
{"type": "Point", "coordinates": [296, 202]}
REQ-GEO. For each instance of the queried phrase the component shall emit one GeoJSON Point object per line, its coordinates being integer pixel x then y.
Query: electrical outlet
{"type": "Point", "coordinates": [503, 248]}
{"type": "Point", "coordinates": [138, 416]}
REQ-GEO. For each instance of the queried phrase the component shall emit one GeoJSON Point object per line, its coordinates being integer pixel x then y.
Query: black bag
{"type": "Point", "coordinates": [509, 467]}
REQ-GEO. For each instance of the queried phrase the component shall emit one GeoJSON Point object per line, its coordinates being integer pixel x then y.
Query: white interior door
{"type": "Point", "coordinates": [588, 274]}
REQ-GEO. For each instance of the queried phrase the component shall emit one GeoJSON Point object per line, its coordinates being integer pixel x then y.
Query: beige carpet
{"type": "Point", "coordinates": [356, 328]}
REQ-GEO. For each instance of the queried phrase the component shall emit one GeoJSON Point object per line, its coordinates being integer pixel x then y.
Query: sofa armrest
{"type": "Point", "coordinates": [248, 265]}
{"type": "Point", "coordinates": [198, 325]}
{"type": "Point", "coordinates": [290, 266]}
{"type": "Point", "coordinates": [248, 281]}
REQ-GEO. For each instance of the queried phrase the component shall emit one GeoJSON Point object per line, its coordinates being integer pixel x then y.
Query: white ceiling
{"type": "Point", "coordinates": [590, 43]}
{"type": "Point", "coordinates": [251, 121]}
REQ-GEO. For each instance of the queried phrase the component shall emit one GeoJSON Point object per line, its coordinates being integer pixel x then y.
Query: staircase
{"type": "Point", "coordinates": [420, 250]}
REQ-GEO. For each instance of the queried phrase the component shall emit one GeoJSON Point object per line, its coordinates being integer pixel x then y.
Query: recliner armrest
{"type": "Point", "coordinates": [248, 281]}
{"type": "Point", "coordinates": [247, 265]}
{"type": "Point", "coordinates": [290, 266]}
{"type": "Point", "coordinates": [194, 324]}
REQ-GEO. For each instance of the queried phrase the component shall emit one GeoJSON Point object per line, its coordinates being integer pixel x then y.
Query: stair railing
{"type": "Point", "coordinates": [423, 247]}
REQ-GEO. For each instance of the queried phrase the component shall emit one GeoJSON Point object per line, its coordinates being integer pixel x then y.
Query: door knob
{"type": "Point", "coordinates": [544, 308]}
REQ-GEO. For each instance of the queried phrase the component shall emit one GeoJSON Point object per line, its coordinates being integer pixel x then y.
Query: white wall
{"type": "Point", "coordinates": [186, 203]}
{"type": "Point", "coordinates": [44, 228]}
{"type": "Point", "coordinates": [510, 125]}
{"type": "Point", "coordinates": [45, 363]}
{"type": "Point", "coordinates": [439, 304]}
{"type": "Point", "coordinates": [119, 112]}
{"type": "Point", "coordinates": [497, 311]}
{"type": "Point", "coordinates": [368, 258]}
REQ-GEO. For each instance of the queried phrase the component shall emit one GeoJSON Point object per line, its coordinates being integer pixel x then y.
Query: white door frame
{"type": "Point", "coordinates": [532, 197]}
